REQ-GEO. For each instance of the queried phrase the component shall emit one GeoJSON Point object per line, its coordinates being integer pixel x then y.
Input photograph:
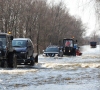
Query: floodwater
{"type": "Point", "coordinates": [67, 73]}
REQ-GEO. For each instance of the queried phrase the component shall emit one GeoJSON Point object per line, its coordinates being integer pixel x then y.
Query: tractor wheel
{"type": "Point", "coordinates": [4, 64]}
{"type": "Point", "coordinates": [74, 52]}
{"type": "Point", "coordinates": [13, 61]}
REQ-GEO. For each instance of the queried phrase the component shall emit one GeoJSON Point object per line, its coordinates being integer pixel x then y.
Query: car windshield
{"type": "Point", "coordinates": [19, 43]}
{"type": "Point", "coordinates": [2, 40]}
{"type": "Point", "coordinates": [51, 49]}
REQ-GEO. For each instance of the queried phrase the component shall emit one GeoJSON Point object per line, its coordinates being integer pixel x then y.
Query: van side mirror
{"type": "Point", "coordinates": [11, 37]}
{"type": "Point", "coordinates": [76, 40]}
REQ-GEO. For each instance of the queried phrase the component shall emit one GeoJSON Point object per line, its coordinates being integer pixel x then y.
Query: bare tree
{"type": "Point", "coordinates": [45, 24]}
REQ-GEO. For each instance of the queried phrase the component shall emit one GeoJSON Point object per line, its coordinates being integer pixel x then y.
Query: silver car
{"type": "Point", "coordinates": [52, 51]}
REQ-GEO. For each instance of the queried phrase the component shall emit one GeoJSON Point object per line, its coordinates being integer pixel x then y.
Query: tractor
{"type": "Point", "coordinates": [7, 53]}
{"type": "Point", "coordinates": [70, 48]}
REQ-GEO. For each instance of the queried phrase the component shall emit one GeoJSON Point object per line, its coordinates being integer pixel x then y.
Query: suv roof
{"type": "Point", "coordinates": [21, 39]}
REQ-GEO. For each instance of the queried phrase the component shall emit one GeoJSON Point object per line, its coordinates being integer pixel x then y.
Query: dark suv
{"type": "Point", "coordinates": [52, 51]}
{"type": "Point", "coordinates": [24, 50]}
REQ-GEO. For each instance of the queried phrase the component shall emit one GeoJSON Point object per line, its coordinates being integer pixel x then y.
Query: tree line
{"type": "Point", "coordinates": [44, 23]}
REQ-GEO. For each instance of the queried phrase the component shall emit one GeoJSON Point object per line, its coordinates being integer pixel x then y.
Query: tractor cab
{"type": "Point", "coordinates": [68, 47]}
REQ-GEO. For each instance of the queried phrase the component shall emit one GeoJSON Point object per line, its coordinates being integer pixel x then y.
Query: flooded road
{"type": "Point", "coordinates": [67, 73]}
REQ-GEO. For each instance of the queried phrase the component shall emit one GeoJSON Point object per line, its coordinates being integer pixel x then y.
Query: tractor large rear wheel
{"type": "Point", "coordinates": [4, 64]}
{"type": "Point", "coordinates": [13, 61]}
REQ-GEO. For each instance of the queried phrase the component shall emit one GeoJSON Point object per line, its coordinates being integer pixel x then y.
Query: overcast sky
{"type": "Point", "coordinates": [85, 9]}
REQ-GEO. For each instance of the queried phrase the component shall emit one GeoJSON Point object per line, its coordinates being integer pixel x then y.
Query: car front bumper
{"type": "Point", "coordinates": [51, 54]}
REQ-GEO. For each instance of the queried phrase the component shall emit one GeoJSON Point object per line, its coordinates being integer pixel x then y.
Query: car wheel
{"type": "Point", "coordinates": [53, 55]}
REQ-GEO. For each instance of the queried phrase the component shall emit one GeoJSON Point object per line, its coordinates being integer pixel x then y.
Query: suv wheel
{"type": "Point", "coordinates": [32, 61]}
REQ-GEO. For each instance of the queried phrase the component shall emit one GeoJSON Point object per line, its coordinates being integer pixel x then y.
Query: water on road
{"type": "Point", "coordinates": [67, 73]}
